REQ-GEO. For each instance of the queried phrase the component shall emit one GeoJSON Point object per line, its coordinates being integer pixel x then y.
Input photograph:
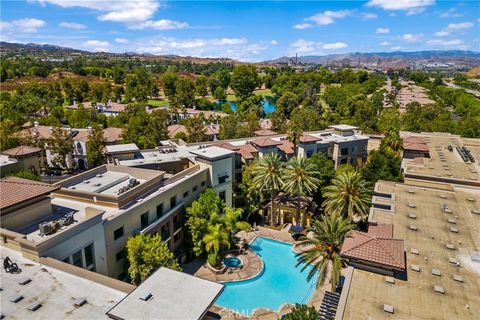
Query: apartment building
{"type": "Point", "coordinates": [86, 220]}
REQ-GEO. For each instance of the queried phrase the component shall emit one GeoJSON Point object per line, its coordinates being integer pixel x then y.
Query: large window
{"type": "Point", "coordinates": [203, 183]}
{"type": "Point", "coordinates": [89, 256]}
{"type": "Point", "coordinates": [118, 233]}
{"type": "Point", "coordinates": [160, 210]}
{"type": "Point", "coordinates": [195, 189]}
{"type": "Point", "coordinates": [165, 232]}
{"type": "Point", "coordinates": [144, 220]}
{"type": "Point", "coordinates": [173, 202]}
{"type": "Point", "coordinates": [121, 255]}
{"type": "Point", "coordinates": [77, 259]}
{"type": "Point", "coordinates": [222, 179]}
{"type": "Point", "coordinates": [176, 223]}
{"type": "Point", "coordinates": [83, 258]}
{"type": "Point", "coordinates": [185, 194]}
{"type": "Point", "coordinates": [344, 151]}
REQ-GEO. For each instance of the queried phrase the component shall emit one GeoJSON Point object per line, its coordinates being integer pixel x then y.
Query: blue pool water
{"type": "Point", "coordinates": [279, 283]}
{"type": "Point", "coordinates": [268, 105]}
{"type": "Point", "coordinates": [232, 262]}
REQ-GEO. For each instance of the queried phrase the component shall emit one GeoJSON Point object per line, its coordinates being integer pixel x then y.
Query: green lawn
{"type": "Point", "coordinates": [158, 103]}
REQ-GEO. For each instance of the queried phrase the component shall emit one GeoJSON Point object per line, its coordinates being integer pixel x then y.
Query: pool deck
{"type": "Point", "coordinates": [261, 313]}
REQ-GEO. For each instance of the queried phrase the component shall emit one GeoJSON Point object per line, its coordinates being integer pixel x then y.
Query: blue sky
{"type": "Point", "coordinates": [249, 31]}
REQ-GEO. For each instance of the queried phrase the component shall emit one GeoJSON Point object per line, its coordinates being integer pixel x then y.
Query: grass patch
{"type": "Point", "coordinates": [158, 103]}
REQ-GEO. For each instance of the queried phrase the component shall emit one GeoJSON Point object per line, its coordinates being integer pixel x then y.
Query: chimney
{"type": "Point", "coordinates": [36, 123]}
{"type": "Point", "coordinates": [89, 129]}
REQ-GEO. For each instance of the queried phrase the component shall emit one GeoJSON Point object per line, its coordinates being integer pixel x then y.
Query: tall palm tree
{"type": "Point", "coordinates": [348, 195]}
{"type": "Point", "coordinates": [392, 141]}
{"type": "Point", "coordinates": [293, 135]}
{"type": "Point", "coordinates": [321, 250]}
{"type": "Point", "coordinates": [300, 178]}
{"type": "Point", "coordinates": [267, 175]}
{"type": "Point", "coordinates": [216, 238]}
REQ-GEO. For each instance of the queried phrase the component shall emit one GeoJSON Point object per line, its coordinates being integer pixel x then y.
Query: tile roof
{"type": "Point", "coordinates": [212, 129]}
{"type": "Point", "coordinates": [15, 190]}
{"type": "Point", "coordinates": [227, 145]}
{"type": "Point", "coordinates": [174, 129]}
{"type": "Point", "coordinates": [413, 139]}
{"type": "Point", "coordinates": [264, 132]}
{"type": "Point", "coordinates": [384, 251]}
{"type": "Point", "coordinates": [381, 230]}
{"type": "Point", "coordinates": [247, 151]}
{"type": "Point", "coordinates": [21, 151]}
{"type": "Point", "coordinates": [308, 138]}
{"type": "Point", "coordinates": [286, 147]}
{"type": "Point", "coordinates": [266, 142]}
{"type": "Point", "coordinates": [415, 146]}
{"type": "Point", "coordinates": [112, 135]}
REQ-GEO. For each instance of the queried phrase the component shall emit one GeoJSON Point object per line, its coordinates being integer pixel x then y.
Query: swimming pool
{"type": "Point", "coordinates": [279, 283]}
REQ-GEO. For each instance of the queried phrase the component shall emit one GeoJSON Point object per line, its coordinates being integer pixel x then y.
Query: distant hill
{"type": "Point", "coordinates": [474, 72]}
{"type": "Point", "coordinates": [387, 59]}
{"type": "Point", "coordinates": [52, 51]}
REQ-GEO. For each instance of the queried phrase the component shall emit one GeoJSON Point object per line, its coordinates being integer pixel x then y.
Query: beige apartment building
{"type": "Point", "coordinates": [86, 220]}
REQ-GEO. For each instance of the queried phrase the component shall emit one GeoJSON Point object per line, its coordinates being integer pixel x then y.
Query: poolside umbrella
{"type": "Point", "coordinates": [296, 228]}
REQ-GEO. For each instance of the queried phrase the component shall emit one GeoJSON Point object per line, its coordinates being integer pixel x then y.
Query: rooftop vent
{"type": "Point", "coordinates": [86, 181]}
{"type": "Point", "coordinates": [390, 279]}
{"type": "Point", "coordinates": [415, 267]}
{"type": "Point", "coordinates": [452, 221]}
{"type": "Point", "coordinates": [454, 230]}
{"type": "Point", "coordinates": [453, 261]}
{"type": "Point", "coordinates": [414, 251]}
{"type": "Point", "coordinates": [97, 184]}
{"type": "Point", "coordinates": [438, 289]}
{"type": "Point", "coordinates": [79, 302]}
{"type": "Point", "coordinates": [146, 297]}
{"type": "Point", "coordinates": [16, 299]}
{"type": "Point", "coordinates": [99, 175]}
{"type": "Point", "coordinates": [411, 205]}
{"type": "Point", "coordinates": [25, 281]}
{"type": "Point", "coordinates": [436, 272]}
{"type": "Point", "coordinates": [413, 227]}
{"type": "Point", "coordinates": [457, 278]}
{"type": "Point", "coordinates": [412, 216]}
{"type": "Point", "coordinates": [450, 246]}
{"type": "Point", "coordinates": [388, 308]}
{"type": "Point", "coordinates": [34, 306]}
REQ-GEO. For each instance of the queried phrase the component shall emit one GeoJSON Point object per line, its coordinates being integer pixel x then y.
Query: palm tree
{"type": "Point", "coordinates": [267, 175]}
{"type": "Point", "coordinates": [231, 221]}
{"type": "Point", "coordinates": [348, 195]}
{"type": "Point", "coordinates": [300, 178]}
{"type": "Point", "coordinates": [293, 135]}
{"type": "Point", "coordinates": [392, 141]}
{"type": "Point", "coordinates": [321, 250]}
{"type": "Point", "coordinates": [216, 238]}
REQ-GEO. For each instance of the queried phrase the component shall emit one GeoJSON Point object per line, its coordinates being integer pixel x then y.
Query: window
{"type": "Point", "coordinates": [176, 237]}
{"type": "Point", "coordinates": [66, 260]}
{"type": "Point", "coordinates": [89, 256]}
{"type": "Point", "coordinates": [159, 210]}
{"type": "Point", "coordinates": [185, 194]}
{"type": "Point", "coordinates": [203, 183]}
{"type": "Point", "coordinates": [195, 189]}
{"type": "Point", "coordinates": [77, 259]}
{"type": "Point", "coordinates": [176, 223]}
{"type": "Point", "coordinates": [118, 233]}
{"type": "Point", "coordinates": [222, 195]}
{"type": "Point", "coordinates": [222, 179]}
{"type": "Point", "coordinates": [165, 232]}
{"type": "Point", "coordinates": [309, 153]}
{"type": "Point", "coordinates": [344, 151]}
{"type": "Point", "coordinates": [144, 220]}
{"type": "Point", "coordinates": [173, 201]}
{"type": "Point", "coordinates": [121, 255]}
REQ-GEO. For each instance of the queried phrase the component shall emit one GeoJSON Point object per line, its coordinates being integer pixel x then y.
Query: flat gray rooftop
{"type": "Point", "coordinates": [212, 153]}
{"type": "Point", "coordinates": [56, 291]}
{"type": "Point", "coordinates": [127, 147]}
{"type": "Point", "coordinates": [108, 182]}
{"type": "Point", "coordinates": [166, 295]}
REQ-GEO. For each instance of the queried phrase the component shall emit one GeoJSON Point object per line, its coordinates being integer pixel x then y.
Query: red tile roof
{"type": "Point", "coordinates": [264, 132]}
{"type": "Point", "coordinates": [415, 146]}
{"type": "Point", "coordinates": [381, 230]}
{"type": "Point", "coordinates": [383, 251]}
{"type": "Point", "coordinates": [286, 147]}
{"type": "Point", "coordinates": [15, 190]}
{"type": "Point", "coordinates": [176, 128]}
{"type": "Point", "coordinates": [21, 151]}
{"type": "Point", "coordinates": [227, 145]}
{"type": "Point", "coordinates": [265, 142]}
{"type": "Point", "coordinates": [212, 129]}
{"type": "Point", "coordinates": [247, 151]}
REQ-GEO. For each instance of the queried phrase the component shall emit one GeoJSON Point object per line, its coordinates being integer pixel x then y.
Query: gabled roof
{"type": "Point", "coordinates": [264, 132]}
{"type": "Point", "coordinates": [21, 151]}
{"type": "Point", "coordinates": [15, 190]}
{"type": "Point", "coordinates": [174, 129]}
{"type": "Point", "coordinates": [265, 142]}
{"type": "Point", "coordinates": [227, 145]}
{"type": "Point", "coordinates": [413, 139]}
{"type": "Point", "coordinates": [306, 138]}
{"type": "Point", "coordinates": [212, 129]}
{"type": "Point", "coordinates": [415, 146]}
{"type": "Point", "coordinates": [381, 230]}
{"type": "Point", "coordinates": [384, 251]}
{"type": "Point", "coordinates": [246, 151]}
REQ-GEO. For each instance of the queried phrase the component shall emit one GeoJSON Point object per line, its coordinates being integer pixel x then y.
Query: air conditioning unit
{"type": "Point", "coordinates": [45, 228]}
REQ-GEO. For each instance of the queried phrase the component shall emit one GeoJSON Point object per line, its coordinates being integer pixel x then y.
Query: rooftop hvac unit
{"type": "Point", "coordinates": [99, 175]}
{"type": "Point", "coordinates": [45, 228]}
{"type": "Point", "coordinates": [97, 184]}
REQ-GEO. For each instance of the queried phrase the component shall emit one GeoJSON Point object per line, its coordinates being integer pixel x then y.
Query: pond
{"type": "Point", "coordinates": [268, 104]}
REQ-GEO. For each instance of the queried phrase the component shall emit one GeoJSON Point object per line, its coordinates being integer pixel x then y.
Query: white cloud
{"type": "Point", "coordinates": [451, 13]}
{"type": "Point", "coordinates": [162, 24]}
{"type": "Point", "coordinates": [274, 42]}
{"type": "Point", "coordinates": [383, 30]}
{"type": "Point", "coordinates": [336, 45]}
{"type": "Point", "coordinates": [328, 17]}
{"type": "Point", "coordinates": [302, 26]}
{"type": "Point", "coordinates": [235, 48]}
{"type": "Point", "coordinates": [72, 25]}
{"type": "Point", "coordinates": [454, 27]}
{"type": "Point", "coordinates": [445, 43]}
{"type": "Point", "coordinates": [406, 5]}
{"type": "Point", "coordinates": [408, 37]}
{"type": "Point", "coordinates": [303, 47]}
{"type": "Point", "coordinates": [385, 43]}
{"type": "Point", "coordinates": [113, 10]}
{"type": "Point", "coordinates": [396, 48]}
{"type": "Point", "coordinates": [368, 16]}
{"type": "Point", "coordinates": [96, 45]}
{"type": "Point", "coordinates": [121, 40]}
{"type": "Point", "coordinates": [25, 25]}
